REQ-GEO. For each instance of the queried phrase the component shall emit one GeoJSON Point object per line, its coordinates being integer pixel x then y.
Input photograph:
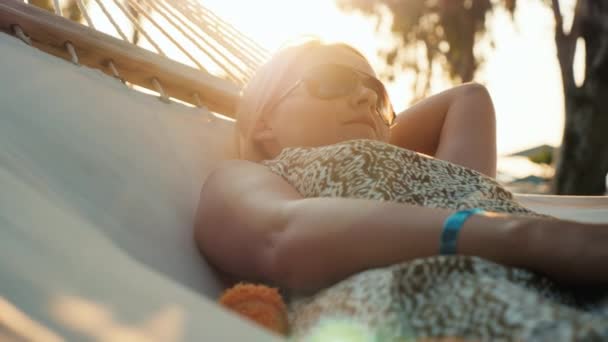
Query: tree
{"type": "Point", "coordinates": [443, 31]}
{"type": "Point", "coordinates": [583, 159]}
{"type": "Point", "coordinates": [44, 4]}
{"type": "Point", "coordinates": [446, 31]}
{"type": "Point", "coordinates": [71, 9]}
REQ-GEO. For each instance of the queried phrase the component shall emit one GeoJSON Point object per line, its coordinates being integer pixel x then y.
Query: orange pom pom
{"type": "Point", "coordinates": [260, 303]}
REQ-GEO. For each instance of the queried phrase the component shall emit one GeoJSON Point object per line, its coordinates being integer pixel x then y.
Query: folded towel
{"type": "Point", "coordinates": [260, 303]}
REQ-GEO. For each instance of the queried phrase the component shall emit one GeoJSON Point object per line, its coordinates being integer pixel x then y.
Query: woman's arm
{"type": "Point", "coordinates": [328, 239]}
{"type": "Point", "coordinates": [252, 224]}
{"type": "Point", "coordinates": [457, 125]}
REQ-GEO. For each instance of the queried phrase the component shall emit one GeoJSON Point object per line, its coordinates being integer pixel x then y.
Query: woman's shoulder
{"type": "Point", "coordinates": [230, 173]}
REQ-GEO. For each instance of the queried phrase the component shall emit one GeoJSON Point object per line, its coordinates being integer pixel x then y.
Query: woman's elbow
{"type": "Point", "coordinates": [475, 88]}
{"type": "Point", "coordinates": [482, 96]}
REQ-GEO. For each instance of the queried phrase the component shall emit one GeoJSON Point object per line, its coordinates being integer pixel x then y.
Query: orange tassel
{"type": "Point", "coordinates": [260, 303]}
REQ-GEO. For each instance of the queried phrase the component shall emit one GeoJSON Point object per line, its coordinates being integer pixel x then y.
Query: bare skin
{"type": "Point", "coordinates": [438, 126]}
{"type": "Point", "coordinates": [253, 225]}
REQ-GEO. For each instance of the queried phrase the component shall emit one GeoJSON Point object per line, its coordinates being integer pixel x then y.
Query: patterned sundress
{"type": "Point", "coordinates": [442, 296]}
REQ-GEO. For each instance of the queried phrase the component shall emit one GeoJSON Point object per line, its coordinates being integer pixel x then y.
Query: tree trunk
{"type": "Point", "coordinates": [582, 164]}
{"type": "Point", "coordinates": [583, 161]}
{"type": "Point", "coordinates": [45, 4]}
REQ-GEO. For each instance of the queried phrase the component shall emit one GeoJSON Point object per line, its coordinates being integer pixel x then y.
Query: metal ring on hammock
{"type": "Point", "coordinates": [199, 104]}
{"type": "Point", "coordinates": [72, 52]}
{"type": "Point", "coordinates": [21, 35]}
{"type": "Point", "coordinates": [163, 96]}
{"type": "Point", "coordinates": [115, 71]}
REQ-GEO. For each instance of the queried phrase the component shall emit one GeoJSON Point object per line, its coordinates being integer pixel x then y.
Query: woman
{"type": "Point", "coordinates": [347, 208]}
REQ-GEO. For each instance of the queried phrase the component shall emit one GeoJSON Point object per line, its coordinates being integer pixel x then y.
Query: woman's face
{"type": "Point", "coordinates": [302, 120]}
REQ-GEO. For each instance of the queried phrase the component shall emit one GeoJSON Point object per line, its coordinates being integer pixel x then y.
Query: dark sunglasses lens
{"type": "Point", "coordinates": [333, 81]}
{"type": "Point", "coordinates": [328, 82]}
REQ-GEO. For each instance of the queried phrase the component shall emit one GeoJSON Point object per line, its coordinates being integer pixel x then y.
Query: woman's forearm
{"type": "Point", "coordinates": [328, 239]}
{"type": "Point", "coordinates": [573, 253]}
{"type": "Point", "coordinates": [418, 127]}
{"type": "Point", "coordinates": [457, 125]}
{"type": "Point", "coordinates": [468, 135]}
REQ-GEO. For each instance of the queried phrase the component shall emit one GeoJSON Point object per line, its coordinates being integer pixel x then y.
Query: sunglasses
{"type": "Point", "coordinates": [331, 81]}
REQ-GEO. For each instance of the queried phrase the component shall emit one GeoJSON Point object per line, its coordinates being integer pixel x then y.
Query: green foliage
{"type": "Point", "coordinates": [542, 157]}
{"type": "Point", "coordinates": [44, 4]}
{"type": "Point", "coordinates": [70, 10]}
{"type": "Point", "coordinates": [444, 31]}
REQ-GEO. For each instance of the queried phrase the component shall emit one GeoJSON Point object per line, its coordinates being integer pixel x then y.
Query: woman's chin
{"type": "Point", "coordinates": [358, 131]}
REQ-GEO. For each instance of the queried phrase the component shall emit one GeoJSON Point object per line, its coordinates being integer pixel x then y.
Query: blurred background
{"type": "Point", "coordinates": [544, 62]}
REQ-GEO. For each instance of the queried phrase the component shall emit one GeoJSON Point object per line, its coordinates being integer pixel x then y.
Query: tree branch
{"type": "Point", "coordinates": [580, 11]}
{"type": "Point", "coordinates": [559, 21]}
{"type": "Point", "coordinates": [566, 43]}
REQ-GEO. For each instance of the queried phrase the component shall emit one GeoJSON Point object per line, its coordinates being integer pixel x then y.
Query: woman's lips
{"type": "Point", "coordinates": [362, 121]}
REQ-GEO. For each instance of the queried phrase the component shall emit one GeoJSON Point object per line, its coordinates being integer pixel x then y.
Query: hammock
{"type": "Point", "coordinates": [100, 184]}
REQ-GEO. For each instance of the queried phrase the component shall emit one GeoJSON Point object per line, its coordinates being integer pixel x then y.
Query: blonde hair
{"type": "Point", "coordinates": [263, 87]}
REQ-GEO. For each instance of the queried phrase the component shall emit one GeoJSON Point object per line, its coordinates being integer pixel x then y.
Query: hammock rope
{"type": "Point", "coordinates": [21, 35]}
{"type": "Point", "coordinates": [179, 39]}
{"type": "Point", "coordinates": [111, 20]}
{"type": "Point", "coordinates": [187, 25]}
{"type": "Point", "coordinates": [57, 8]}
{"type": "Point", "coordinates": [137, 7]}
{"type": "Point", "coordinates": [195, 40]}
{"type": "Point", "coordinates": [82, 8]}
{"type": "Point", "coordinates": [225, 57]}
{"type": "Point", "coordinates": [138, 27]}
{"type": "Point", "coordinates": [159, 88]}
{"type": "Point", "coordinates": [231, 30]}
{"type": "Point", "coordinates": [72, 52]}
{"type": "Point", "coordinates": [114, 70]}
{"type": "Point", "coordinates": [221, 32]}
{"type": "Point", "coordinates": [199, 104]}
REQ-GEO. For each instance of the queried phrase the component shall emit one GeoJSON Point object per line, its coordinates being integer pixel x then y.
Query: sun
{"type": "Point", "coordinates": [272, 23]}
{"type": "Point", "coordinates": [521, 107]}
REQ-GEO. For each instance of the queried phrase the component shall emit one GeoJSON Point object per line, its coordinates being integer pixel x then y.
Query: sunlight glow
{"type": "Point", "coordinates": [522, 73]}
{"type": "Point", "coordinates": [96, 321]}
{"type": "Point", "coordinates": [21, 327]}
{"type": "Point", "coordinates": [579, 62]}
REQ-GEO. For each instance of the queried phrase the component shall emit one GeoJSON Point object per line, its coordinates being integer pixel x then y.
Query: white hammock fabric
{"type": "Point", "coordinates": [99, 188]}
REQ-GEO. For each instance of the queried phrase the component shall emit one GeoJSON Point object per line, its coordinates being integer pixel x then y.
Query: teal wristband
{"type": "Point", "coordinates": [451, 228]}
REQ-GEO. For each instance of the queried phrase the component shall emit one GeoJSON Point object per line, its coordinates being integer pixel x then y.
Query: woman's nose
{"type": "Point", "coordinates": [363, 96]}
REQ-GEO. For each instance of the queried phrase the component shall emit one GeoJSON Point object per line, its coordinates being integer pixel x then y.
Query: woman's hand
{"type": "Point", "coordinates": [572, 253]}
